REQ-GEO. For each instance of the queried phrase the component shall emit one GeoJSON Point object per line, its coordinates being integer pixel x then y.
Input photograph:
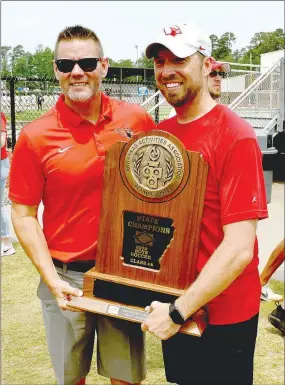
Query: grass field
{"type": "Point", "coordinates": [25, 358]}
{"type": "Point", "coordinates": [31, 114]}
{"type": "Point", "coordinates": [28, 115]}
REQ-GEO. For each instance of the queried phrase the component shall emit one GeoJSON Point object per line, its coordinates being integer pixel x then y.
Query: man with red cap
{"type": "Point", "coordinates": [219, 71]}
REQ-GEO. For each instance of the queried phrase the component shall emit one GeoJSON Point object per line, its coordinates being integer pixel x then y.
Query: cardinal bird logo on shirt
{"type": "Point", "coordinates": [173, 31]}
{"type": "Point", "coordinates": [126, 132]}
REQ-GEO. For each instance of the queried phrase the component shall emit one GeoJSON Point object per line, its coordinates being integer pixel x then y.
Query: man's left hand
{"type": "Point", "coordinates": [158, 322]}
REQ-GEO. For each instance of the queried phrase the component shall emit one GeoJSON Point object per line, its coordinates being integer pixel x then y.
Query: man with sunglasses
{"type": "Point", "coordinates": [219, 71]}
{"type": "Point", "coordinates": [59, 159]}
{"type": "Point", "coordinates": [227, 280]}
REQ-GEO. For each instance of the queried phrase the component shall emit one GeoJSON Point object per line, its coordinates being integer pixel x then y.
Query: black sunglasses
{"type": "Point", "coordinates": [88, 64]}
{"type": "Point", "coordinates": [221, 74]}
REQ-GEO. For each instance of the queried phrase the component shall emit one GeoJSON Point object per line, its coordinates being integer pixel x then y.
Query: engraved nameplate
{"type": "Point", "coordinates": [127, 313]}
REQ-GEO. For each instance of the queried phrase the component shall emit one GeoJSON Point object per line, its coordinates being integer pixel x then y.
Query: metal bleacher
{"type": "Point", "coordinates": [260, 102]}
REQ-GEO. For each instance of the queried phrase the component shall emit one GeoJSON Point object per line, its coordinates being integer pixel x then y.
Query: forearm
{"type": "Point", "coordinates": [3, 139]}
{"type": "Point", "coordinates": [229, 259]}
{"type": "Point", "coordinates": [31, 237]}
{"type": "Point", "coordinates": [224, 266]}
{"type": "Point", "coordinates": [275, 260]}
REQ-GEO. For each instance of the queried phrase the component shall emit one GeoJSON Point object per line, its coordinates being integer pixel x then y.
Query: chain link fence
{"type": "Point", "coordinates": [261, 106]}
{"type": "Point", "coordinates": [262, 102]}
{"type": "Point", "coordinates": [23, 101]}
{"type": "Point", "coordinates": [237, 81]}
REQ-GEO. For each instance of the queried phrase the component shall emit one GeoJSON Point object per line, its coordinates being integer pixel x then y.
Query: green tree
{"type": "Point", "coordinates": [5, 60]}
{"type": "Point", "coordinates": [112, 63]}
{"type": "Point", "coordinates": [42, 62]}
{"type": "Point", "coordinates": [21, 66]}
{"type": "Point", "coordinates": [127, 63]}
{"type": "Point", "coordinates": [264, 42]}
{"type": "Point", "coordinates": [215, 42]}
{"type": "Point", "coordinates": [236, 55]}
{"type": "Point", "coordinates": [144, 62]}
{"type": "Point", "coordinates": [222, 46]}
{"type": "Point", "coordinates": [18, 52]}
{"type": "Point", "coordinates": [19, 61]}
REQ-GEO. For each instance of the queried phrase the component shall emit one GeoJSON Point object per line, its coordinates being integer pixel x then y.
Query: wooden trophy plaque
{"type": "Point", "coordinates": [152, 206]}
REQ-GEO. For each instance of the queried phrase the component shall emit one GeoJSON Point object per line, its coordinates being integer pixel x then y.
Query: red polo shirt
{"type": "Point", "coordinates": [235, 192]}
{"type": "Point", "coordinates": [3, 129]}
{"type": "Point", "coordinates": [59, 159]}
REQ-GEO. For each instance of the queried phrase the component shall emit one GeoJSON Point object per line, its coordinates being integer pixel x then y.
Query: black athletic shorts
{"type": "Point", "coordinates": [222, 356]}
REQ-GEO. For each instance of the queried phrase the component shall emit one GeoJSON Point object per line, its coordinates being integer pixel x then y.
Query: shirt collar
{"type": "Point", "coordinates": [70, 118]}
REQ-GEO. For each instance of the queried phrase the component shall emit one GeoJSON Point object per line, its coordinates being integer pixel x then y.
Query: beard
{"type": "Point", "coordinates": [215, 94]}
{"type": "Point", "coordinates": [186, 95]}
{"type": "Point", "coordinates": [81, 96]}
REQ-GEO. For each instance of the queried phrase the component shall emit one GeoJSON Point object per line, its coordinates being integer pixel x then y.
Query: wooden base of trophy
{"type": "Point", "coordinates": [123, 298]}
{"type": "Point", "coordinates": [150, 221]}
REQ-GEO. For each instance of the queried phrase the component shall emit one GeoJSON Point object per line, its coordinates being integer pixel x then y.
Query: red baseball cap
{"type": "Point", "coordinates": [225, 67]}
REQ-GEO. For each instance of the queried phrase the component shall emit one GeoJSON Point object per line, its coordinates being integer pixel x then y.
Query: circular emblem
{"type": "Point", "coordinates": [154, 166]}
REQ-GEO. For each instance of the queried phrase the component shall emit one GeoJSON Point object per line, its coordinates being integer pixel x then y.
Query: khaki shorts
{"type": "Point", "coordinates": [70, 339]}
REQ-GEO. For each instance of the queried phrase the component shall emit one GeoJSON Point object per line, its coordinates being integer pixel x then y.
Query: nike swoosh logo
{"type": "Point", "coordinates": [60, 150]}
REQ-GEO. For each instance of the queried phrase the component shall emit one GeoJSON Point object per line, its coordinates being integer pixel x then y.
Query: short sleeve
{"type": "Point", "coordinates": [3, 122]}
{"type": "Point", "coordinates": [145, 123]}
{"type": "Point", "coordinates": [26, 177]}
{"type": "Point", "coordinates": [242, 187]}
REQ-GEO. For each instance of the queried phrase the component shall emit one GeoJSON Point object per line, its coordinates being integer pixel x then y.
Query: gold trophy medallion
{"type": "Point", "coordinates": [154, 166]}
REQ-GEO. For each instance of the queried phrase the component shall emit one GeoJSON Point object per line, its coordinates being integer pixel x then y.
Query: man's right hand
{"type": "Point", "coordinates": [32, 239]}
{"type": "Point", "coordinates": [63, 293]}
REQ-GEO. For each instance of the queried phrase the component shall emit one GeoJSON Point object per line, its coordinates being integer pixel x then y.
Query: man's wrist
{"type": "Point", "coordinates": [175, 314]}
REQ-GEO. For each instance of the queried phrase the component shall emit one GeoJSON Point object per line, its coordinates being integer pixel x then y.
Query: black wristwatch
{"type": "Point", "coordinates": [176, 315]}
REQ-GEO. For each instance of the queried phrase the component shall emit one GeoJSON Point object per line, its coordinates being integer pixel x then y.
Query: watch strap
{"type": "Point", "coordinates": [175, 314]}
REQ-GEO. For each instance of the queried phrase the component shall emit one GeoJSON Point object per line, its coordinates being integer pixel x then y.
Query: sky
{"type": "Point", "coordinates": [122, 25]}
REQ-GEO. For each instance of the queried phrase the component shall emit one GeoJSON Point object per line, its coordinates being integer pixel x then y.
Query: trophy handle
{"type": "Point", "coordinates": [194, 326]}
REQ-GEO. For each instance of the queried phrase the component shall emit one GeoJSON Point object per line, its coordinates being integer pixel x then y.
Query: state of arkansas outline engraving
{"type": "Point", "coordinates": [146, 238]}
